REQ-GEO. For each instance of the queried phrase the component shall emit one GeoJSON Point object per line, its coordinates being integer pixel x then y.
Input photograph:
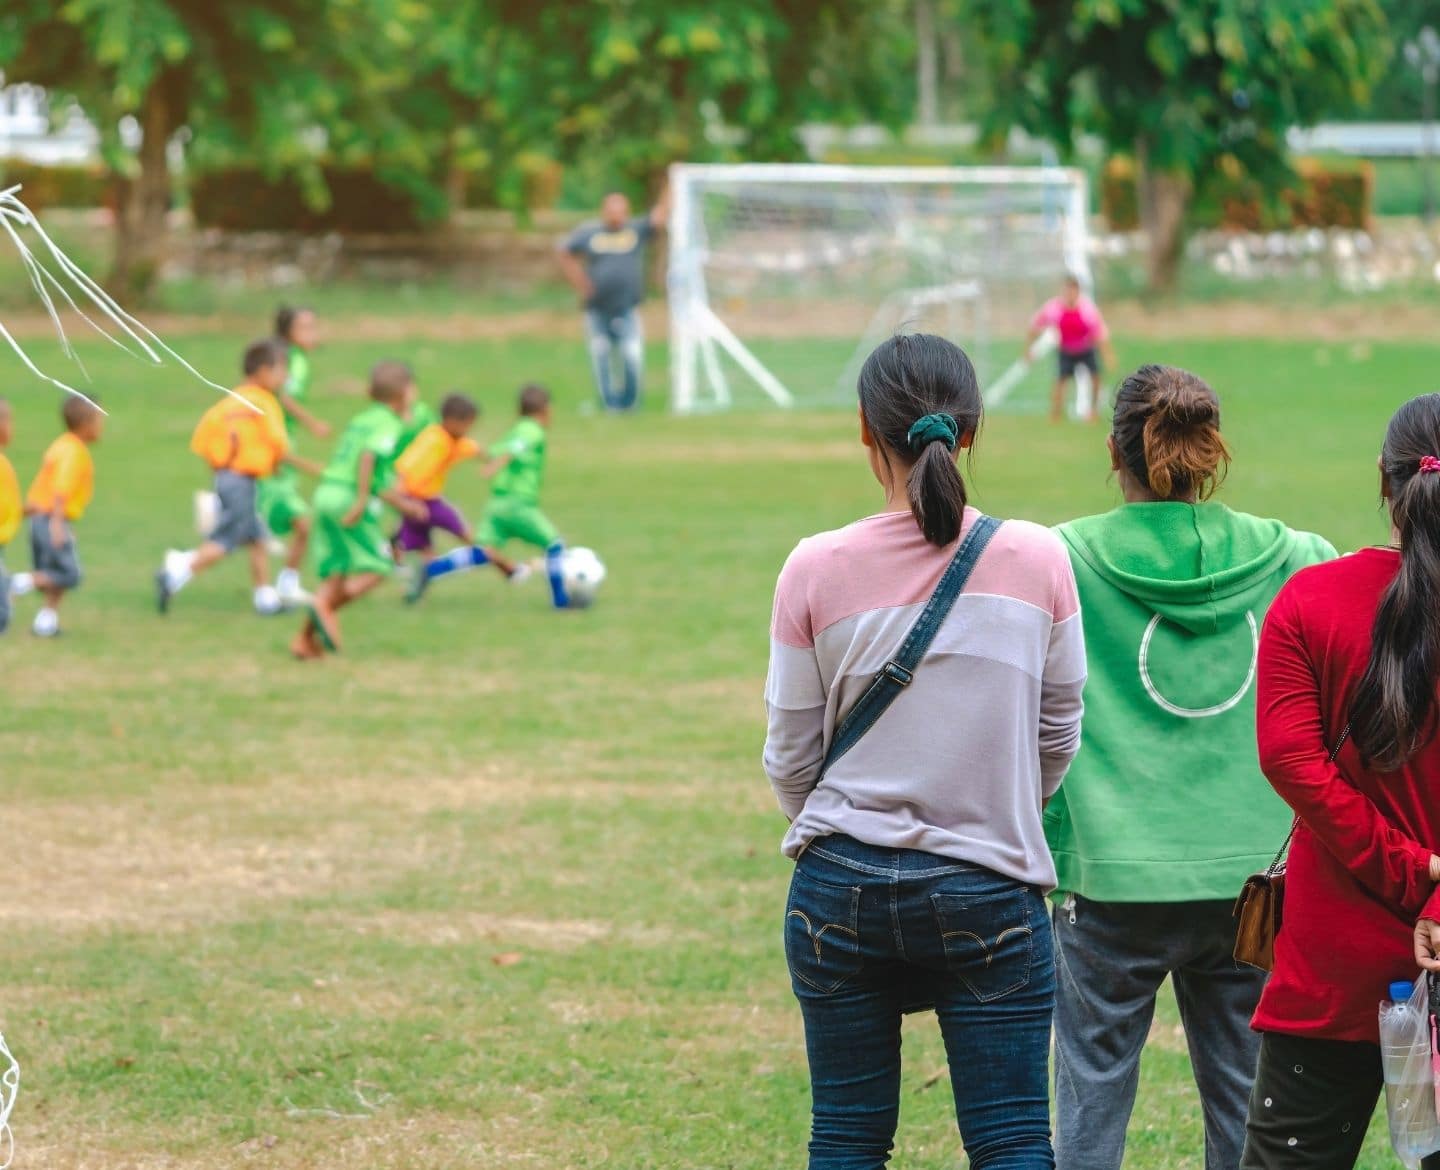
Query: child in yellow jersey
{"type": "Point", "coordinates": [243, 439]}
{"type": "Point", "coordinates": [58, 497]}
{"type": "Point", "coordinates": [422, 470]}
{"type": "Point", "coordinates": [11, 509]}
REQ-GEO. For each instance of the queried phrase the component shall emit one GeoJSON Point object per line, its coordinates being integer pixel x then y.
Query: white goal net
{"type": "Point", "coordinates": [783, 277]}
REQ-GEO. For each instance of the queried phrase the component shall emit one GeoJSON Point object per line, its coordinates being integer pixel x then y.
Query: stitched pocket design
{"type": "Point", "coordinates": [822, 941]}
{"type": "Point", "coordinates": [989, 942]}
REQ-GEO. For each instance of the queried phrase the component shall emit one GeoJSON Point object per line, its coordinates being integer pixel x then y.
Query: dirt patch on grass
{"type": "Point", "coordinates": [380, 1142]}
{"type": "Point", "coordinates": [522, 932]}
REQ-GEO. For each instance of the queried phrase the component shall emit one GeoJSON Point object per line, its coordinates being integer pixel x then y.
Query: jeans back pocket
{"type": "Point", "coordinates": [988, 939]}
{"type": "Point", "coordinates": [822, 940]}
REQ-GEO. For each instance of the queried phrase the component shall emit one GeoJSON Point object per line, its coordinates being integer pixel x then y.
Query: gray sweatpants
{"type": "Point", "coordinates": [1109, 965]}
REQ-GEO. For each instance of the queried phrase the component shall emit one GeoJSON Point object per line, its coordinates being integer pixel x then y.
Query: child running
{"type": "Point", "coordinates": [518, 466]}
{"type": "Point", "coordinates": [422, 469]}
{"type": "Point", "coordinates": [351, 553]}
{"type": "Point", "coordinates": [243, 439]}
{"type": "Point", "coordinates": [1083, 333]}
{"type": "Point", "coordinates": [11, 508]}
{"type": "Point", "coordinates": [57, 499]}
{"type": "Point", "coordinates": [282, 505]}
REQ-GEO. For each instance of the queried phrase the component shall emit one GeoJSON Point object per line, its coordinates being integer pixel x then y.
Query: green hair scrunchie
{"type": "Point", "coordinates": [933, 428]}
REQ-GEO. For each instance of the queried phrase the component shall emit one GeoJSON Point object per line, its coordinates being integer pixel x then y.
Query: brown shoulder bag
{"type": "Point", "coordinates": [1259, 910]}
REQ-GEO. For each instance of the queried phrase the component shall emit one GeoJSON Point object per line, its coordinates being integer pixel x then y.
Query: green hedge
{"type": "Point", "coordinates": [1323, 195]}
{"type": "Point", "coordinates": [243, 199]}
{"type": "Point", "coordinates": [89, 185]}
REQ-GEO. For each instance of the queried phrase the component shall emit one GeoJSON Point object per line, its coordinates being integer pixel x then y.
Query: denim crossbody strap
{"type": "Point", "coordinates": [896, 674]}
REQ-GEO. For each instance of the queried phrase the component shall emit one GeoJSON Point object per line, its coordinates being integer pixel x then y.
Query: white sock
{"type": "Point", "coordinates": [21, 584]}
{"type": "Point", "coordinates": [47, 623]}
{"type": "Point", "coordinates": [178, 571]}
{"type": "Point", "coordinates": [288, 581]}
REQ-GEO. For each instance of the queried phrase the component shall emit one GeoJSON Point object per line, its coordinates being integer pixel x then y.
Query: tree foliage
{"type": "Point", "coordinates": [428, 92]}
{"type": "Point", "coordinates": [1397, 94]}
{"type": "Point", "coordinates": [618, 88]}
{"type": "Point", "coordinates": [1186, 85]}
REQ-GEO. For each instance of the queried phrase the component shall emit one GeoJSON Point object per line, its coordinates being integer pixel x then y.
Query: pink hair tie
{"type": "Point", "coordinates": [1428, 464]}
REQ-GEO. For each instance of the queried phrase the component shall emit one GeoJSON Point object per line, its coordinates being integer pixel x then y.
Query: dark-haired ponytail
{"type": "Point", "coordinates": [920, 398]}
{"type": "Point", "coordinates": [937, 493]}
{"type": "Point", "coordinates": [1394, 708]}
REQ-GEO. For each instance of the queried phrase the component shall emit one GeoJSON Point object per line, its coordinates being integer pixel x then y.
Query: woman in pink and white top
{"type": "Point", "coordinates": [1083, 334]}
{"type": "Point", "coordinates": [921, 861]}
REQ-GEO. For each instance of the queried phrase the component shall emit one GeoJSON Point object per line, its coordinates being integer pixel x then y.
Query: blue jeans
{"type": "Point", "coordinates": [609, 336]}
{"type": "Point", "coordinates": [873, 932]}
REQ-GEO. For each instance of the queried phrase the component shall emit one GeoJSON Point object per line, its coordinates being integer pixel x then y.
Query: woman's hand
{"type": "Point", "coordinates": [1427, 944]}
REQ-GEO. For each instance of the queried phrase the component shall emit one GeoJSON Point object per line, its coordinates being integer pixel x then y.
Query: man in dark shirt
{"type": "Point", "coordinates": [604, 261]}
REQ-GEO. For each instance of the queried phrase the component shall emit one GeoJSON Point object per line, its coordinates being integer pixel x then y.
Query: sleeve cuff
{"type": "Point", "coordinates": [1431, 909]}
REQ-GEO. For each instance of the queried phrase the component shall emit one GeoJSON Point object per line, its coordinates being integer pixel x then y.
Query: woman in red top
{"type": "Point", "coordinates": [1352, 645]}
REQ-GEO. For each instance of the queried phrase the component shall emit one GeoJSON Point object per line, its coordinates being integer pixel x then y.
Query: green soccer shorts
{"type": "Point", "coordinates": [281, 503]}
{"type": "Point", "coordinates": [507, 520]}
{"type": "Point", "coordinates": [346, 552]}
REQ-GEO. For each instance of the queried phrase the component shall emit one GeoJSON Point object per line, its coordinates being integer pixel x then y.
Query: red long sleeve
{"type": "Point", "coordinates": [1358, 876]}
{"type": "Point", "coordinates": [1295, 751]}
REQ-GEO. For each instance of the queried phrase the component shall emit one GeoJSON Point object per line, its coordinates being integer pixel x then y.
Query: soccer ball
{"type": "Point", "coordinates": [583, 573]}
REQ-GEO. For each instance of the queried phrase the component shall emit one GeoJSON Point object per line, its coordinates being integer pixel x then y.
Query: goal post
{"type": "Point", "coordinates": [782, 276]}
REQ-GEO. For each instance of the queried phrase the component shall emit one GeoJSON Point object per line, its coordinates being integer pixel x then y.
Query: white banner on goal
{"type": "Point", "coordinates": [784, 276]}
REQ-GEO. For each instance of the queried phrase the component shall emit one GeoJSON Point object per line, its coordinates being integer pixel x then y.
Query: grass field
{"type": "Point", "coordinates": [501, 886]}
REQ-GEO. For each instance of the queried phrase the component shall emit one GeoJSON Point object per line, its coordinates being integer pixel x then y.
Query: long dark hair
{"type": "Point", "coordinates": [909, 379]}
{"type": "Point", "coordinates": [1167, 431]}
{"type": "Point", "coordinates": [1393, 710]}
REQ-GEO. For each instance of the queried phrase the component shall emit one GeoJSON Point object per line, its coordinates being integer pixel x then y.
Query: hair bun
{"type": "Point", "coordinates": [1182, 403]}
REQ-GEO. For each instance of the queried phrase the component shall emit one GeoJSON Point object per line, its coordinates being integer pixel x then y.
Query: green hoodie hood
{"type": "Point", "coordinates": [1200, 566]}
{"type": "Point", "coordinates": [1165, 801]}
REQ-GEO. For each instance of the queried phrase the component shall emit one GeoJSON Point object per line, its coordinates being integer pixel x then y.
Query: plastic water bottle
{"type": "Point", "coordinates": [1409, 1081]}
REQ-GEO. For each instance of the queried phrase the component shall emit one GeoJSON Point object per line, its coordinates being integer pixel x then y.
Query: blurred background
{"type": "Point", "coordinates": [195, 150]}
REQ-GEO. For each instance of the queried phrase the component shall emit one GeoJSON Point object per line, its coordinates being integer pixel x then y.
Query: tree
{"type": "Point", "coordinates": [1397, 95]}
{"type": "Point", "coordinates": [1187, 86]}
{"type": "Point", "coordinates": [251, 72]}
{"type": "Point", "coordinates": [427, 92]}
{"type": "Point", "coordinates": [619, 88]}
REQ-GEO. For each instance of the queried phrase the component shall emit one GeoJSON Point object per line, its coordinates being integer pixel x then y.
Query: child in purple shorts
{"type": "Point", "coordinates": [421, 470]}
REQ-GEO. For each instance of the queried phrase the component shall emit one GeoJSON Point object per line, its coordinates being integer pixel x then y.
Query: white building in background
{"type": "Point", "coordinates": [27, 132]}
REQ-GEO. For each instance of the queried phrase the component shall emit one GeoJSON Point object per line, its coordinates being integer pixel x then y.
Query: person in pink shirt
{"type": "Point", "coordinates": [1083, 334]}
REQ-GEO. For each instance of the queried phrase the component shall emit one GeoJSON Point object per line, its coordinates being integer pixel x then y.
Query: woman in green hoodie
{"type": "Point", "coordinates": [1165, 811]}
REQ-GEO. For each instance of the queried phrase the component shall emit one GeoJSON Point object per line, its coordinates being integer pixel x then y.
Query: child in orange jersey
{"type": "Point", "coordinates": [11, 508]}
{"type": "Point", "coordinates": [58, 498]}
{"type": "Point", "coordinates": [243, 439]}
{"type": "Point", "coordinates": [422, 469]}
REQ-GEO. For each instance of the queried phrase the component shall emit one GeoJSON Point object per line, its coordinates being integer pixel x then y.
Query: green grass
{"type": "Point", "coordinates": [240, 888]}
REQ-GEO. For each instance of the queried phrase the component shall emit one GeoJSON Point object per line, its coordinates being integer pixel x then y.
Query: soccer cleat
{"type": "Point", "coordinates": [292, 594]}
{"type": "Point", "coordinates": [419, 583]}
{"type": "Point", "coordinates": [296, 598]}
{"type": "Point", "coordinates": [163, 593]}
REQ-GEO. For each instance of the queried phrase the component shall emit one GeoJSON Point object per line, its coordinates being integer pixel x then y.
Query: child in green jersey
{"type": "Point", "coordinates": [282, 505]}
{"type": "Point", "coordinates": [517, 466]}
{"type": "Point", "coordinates": [352, 553]}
